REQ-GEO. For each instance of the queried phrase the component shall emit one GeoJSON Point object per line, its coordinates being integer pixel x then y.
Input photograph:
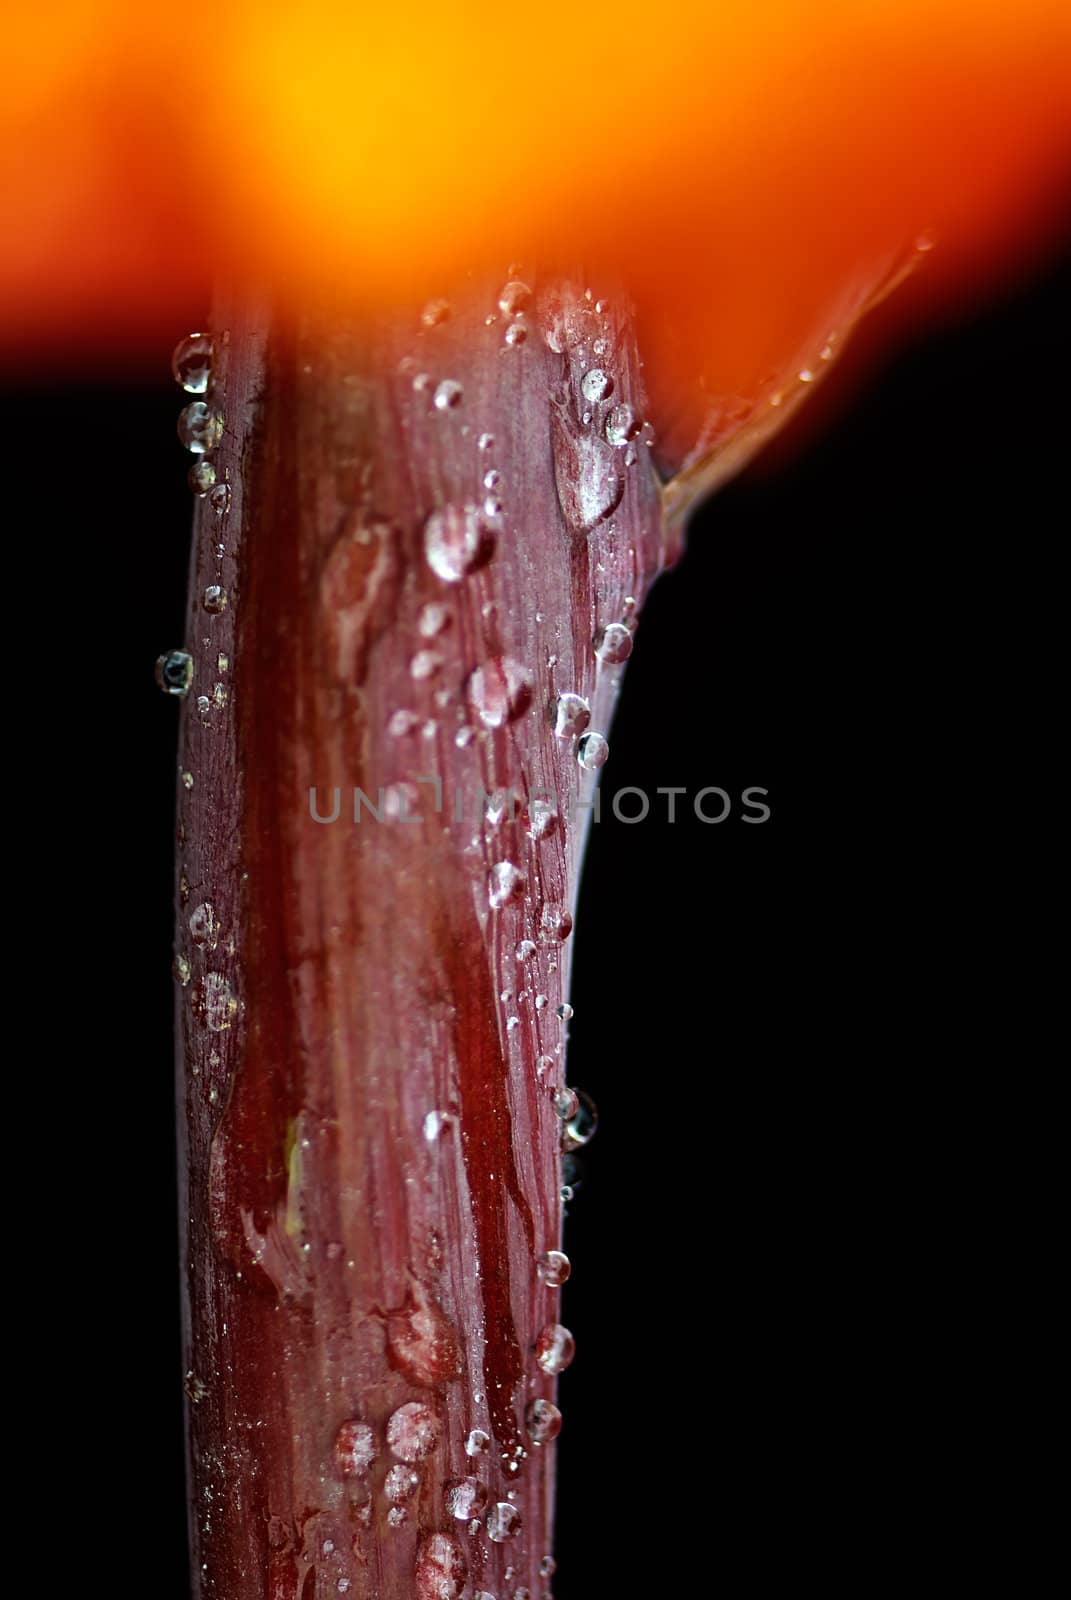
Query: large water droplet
{"type": "Point", "coordinates": [192, 363]}
{"type": "Point", "coordinates": [465, 1498]}
{"type": "Point", "coordinates": [201, 477]}
{"type": "Point", "coordinates": [503, 1522]}
{"type": "Point", "coordinates": [441, 1568]}
{"type": "Point", "coordinates": [592, 751]}
{"type": "Point", "coordinates": [553, 1268]}
{"type": "Point", "coordinates": [621, 425]}
{"type": "Point", "coordinates": [566, 1102]}
{"type": "Point", "coordinates": [515, 296]}
{"type": "Point", "coordinates": [499, 692]}
{"type": "Point", "coordinates": [543, 1421]}
{"type": "Point", "coordinates": [555, 1349]}
{"type": "Point", "coordinates": [613, 643]}
{"type": "Point", "coordinates": [580, 1128]}
{"type": "Point", "coordinates": [200, 428]}
{"type": "Point", "coordinates": [174, 671]}
{"type": "Point", "coordinates": [571, 716]}
{"type": "Point", "coordinates": [456, 542]}
{"type": "Point", "coordinates": [505, 883]}
{"type": "Point", "coordinates": [355, 1448]}
{"type": "Point", "coordinates": [413, 1431]}
{"type": "Point", "coordinates": [596, 384]}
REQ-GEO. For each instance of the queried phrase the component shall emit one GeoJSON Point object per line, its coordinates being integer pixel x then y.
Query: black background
{"type": "Point", "coordinates": [771, 1018]}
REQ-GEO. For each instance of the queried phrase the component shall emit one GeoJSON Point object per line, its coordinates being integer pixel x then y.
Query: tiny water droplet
{"type": "Point", "coordinates": [525, 950]}
{"type": "Point", "coordinates": [555, 1349]}
{"type": "Point", "coordinates": [355, 1448]}
{"type": "Point", "coordinates": [214, 598]}
{"type": "Point", "coordinates": [505, 883]}
{"type": "Point", "coordinates": [397, 1517]}
{"type": "Point", "coordinates": [220, 499]}
{"type": "Point", "coordinates": [465, 1498]}
{"type": "Point", "coordinates": [592, 751]}
{"type": "Point", "coordinates": [433, 618]}
{"type": "Point", "coordinates": [621, 426]}
{"type": "Point", "coordinates": [191, 363]}
{"type": "Point", "coordinates": [435, 312]}
{"type": "Point", "coordinates": [187, 780]}
{"type": "Point", "coordinates": [456, 542]}
{"type": "Point", "coordinates": [478, 1443]}
{"type": "Point", "coordinates": [596, 384]}
{"type": "Point", "coordinates": [571, 716]}
{"type": "Point", "coordinates": [402, 723]}
{"type": "Point", "coordinates": [515, 334]}
{"type": "Point", "coordinates": [806, 375]}
{"type": "Point", "coordinates": [515, 296]}
{"type": "Point", "coordinates": [543, 1421]}
{"type": "Point", "coordinates": [413, 1432]}
{"type": "Point", "coordinates": [581, 1127]}
{"type": "Point", "coordinates": [565, 1012]}
{"type": "Point", "coordinates": [548, 1567]}
{"type": "Point", "coordinates": [448, 395]}
{"type": "Point", "coordinates": [201, 477]}
{"type": "Point", "coordinates": [492, 479]}
{"type": "Point", "coordinates": [218, 1004]}
{"type": "Point", "coordinates": [199, 427]}
{"type": "Point", "coordinates": [542, 819]}
{"type": "Point", "coordinates": [181, 969]}
{"type": "Point", "coordinates": [425, 664]}
{"type": "Point", "coordinates": [503, 1522]}
{"type": "Point", "coordinates": [555, 923]}
{"type": "Point", "coordinates": [435, 1124]}
{"type": "Point", "coordinates": [486, 441]}
{"type": "Point", "coordinates": [174, 671]}
{"type": "Point", "coordinates": [554, 1268]}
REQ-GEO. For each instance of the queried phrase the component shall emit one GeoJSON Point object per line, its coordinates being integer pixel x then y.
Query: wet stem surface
{"type": "Point", "coordinates": [743, 993]}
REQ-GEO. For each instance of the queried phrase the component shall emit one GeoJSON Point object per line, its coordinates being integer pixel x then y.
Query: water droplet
{"type": "Point", "coordinates": [441, 1568]}
{"type": "Point", "coordinates": [355, 1448]}
{"type": "Point", "coordinates": [548, 1567]}
{"type": "Point", "coordinates": [401, 1483]}
{"type": "Point", "coordinates": [613, 643]}
{"type": "Point", "coordinates": [497, 805]}
{"type": "Point", "coordinates": [565, 1012]}
{"type": "Point", "coordinates": [448, 395]}
{"type": "Point", "coordinates": [621, 426]}
{"type": "Point", "coordinates": [174, 671]}
{"type": "Point", "coordinates": [478, 1443]}
{"type": "Point", "coordinates": [566, 1103]}
{"type": "Point", "coordinates": [515, 334]}
{"type": "Point", "coordinates": [435, 1124]}
{"type": "Point", "coordinates": [580, 1128]}
{"type": "Point", "coordinates": [505, 883]}
{"type": "Point", "coordinates": [191, 363]}
{"type": "Point", "coordinates": [542, 819]}
{"type": "Point", "coordinates": [555, 923]}
{"type": "Point", "coordinates": [492, 479]}
{"type": "Point", "coordinates": [456, 542]}
{"type": "Point", "coordinates": [596, 384]}
{"type": "Point", "coordinates": [187, 780]}
{"type": "Point", "coordinates": [587, 474]}
{"type": "Point", "coordinates": [492, 507]}
{"type": "Point", "coordinates": [402, 723]}
{"type": "Point", "coordinates": [555, 1349]}
{"type": "Point", "coordinates": [483, 1594]}
{"type": "Point", "coordinates": [181, 969]}
{"type": "Point", "coordinates": [201, 477]}
{"type": "Point", "coordinates": [525, 950]}
{"type": "Point", "coordinates": [592, 751]}
{"type": "Point", "coordinates": [806, 375]}
{"type": "Point", "coordinates": [435, 312]}
{"type": "Point", "coordinates": [214, 598]}
{"type": "Point", "coordinates": [220, 499]}
{"type": "Point", "coordinates": [503, 1522]}
{"type": "Point", "coordinates": [465, 1498]}
{"type": "Point", "coordinates": [543, 1421]}
{"type": "Point", "coordinates": [425, 664]}
{"type": "Point", "coordinates": [571, 716]}
{"type": "Point", "coordinates": [413, 1431]}
{"type": "Point", "coordinates": [553, 1269]}
{"type": "Point", "coordinates": [218, 1004]}
{"type": "Point", "coordinates": [397, 1517]}
{"type": "Point", "coordinates": [486, 441]}
{"type": "Point", "coordinates": [200, 428]}
{"type": "Point", "coordinates": [463, 738]}
{"type": "Point", "coordinates": [514, 297]}
{"type": "Point", "coordinates": [499, 692]}
{"type": "Point", "coordinates": [433, 618]}
{"type": "Point", "coordinates": [204, 930]}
